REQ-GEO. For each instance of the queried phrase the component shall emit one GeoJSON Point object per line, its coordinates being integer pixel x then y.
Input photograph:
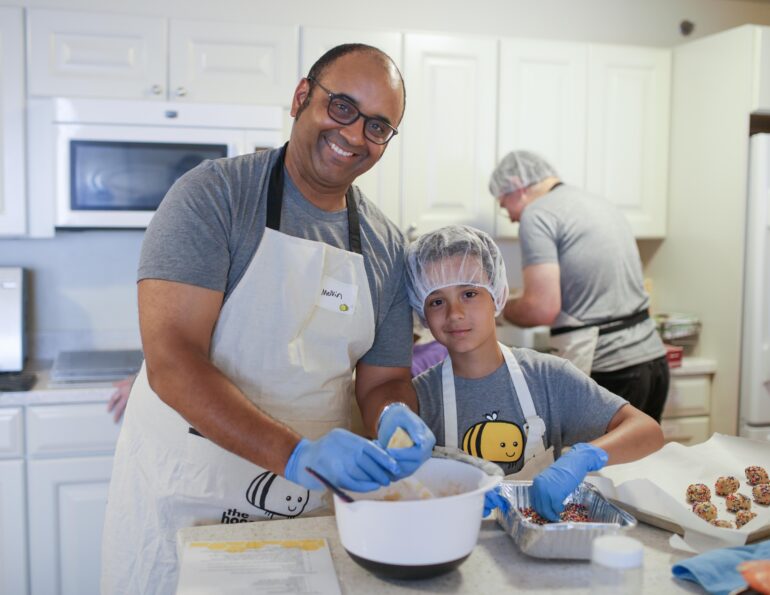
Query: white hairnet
{"type": "Point", "coordinates": [454, 255]}
{"type": "Point", "coordinates": [517, 170]}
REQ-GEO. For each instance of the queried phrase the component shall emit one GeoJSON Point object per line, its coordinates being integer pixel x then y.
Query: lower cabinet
{"type": "Point", "coordinates": [67, 500]}
{"type": "Point", "coordinates": [686, 416]}
{"type": "Point", "coordinates": [13, 538]}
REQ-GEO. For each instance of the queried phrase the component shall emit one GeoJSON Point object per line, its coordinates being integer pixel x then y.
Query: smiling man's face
{"type": "Point", "coordinates": [328, 155]}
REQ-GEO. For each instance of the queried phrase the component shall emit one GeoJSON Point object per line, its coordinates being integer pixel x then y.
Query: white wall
{"type": "Point", "coordinates": [83, 284]}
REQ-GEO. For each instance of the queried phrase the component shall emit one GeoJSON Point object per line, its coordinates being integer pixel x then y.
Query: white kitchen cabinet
{"type": "Point", "coordinates": [542, 108]}
{"type": "Point", "coordinates": [449, 131]}
{"type": "Point", "coordinates": [13, 214]}
{"type": "Point", "coordinates": [628, 132]}
{"type": "Point", "coordinates": [598, 114]}
{"type": "Point", "coordinates": [88, 54]}
{"type": "Point", "coordinates": [13, 510]}
{"type": "Point", "coordinates": [688, 405]}
{"type": "Point", "coordinates": [382, 183]}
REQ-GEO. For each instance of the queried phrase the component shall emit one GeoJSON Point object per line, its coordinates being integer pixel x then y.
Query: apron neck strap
{"type": "Point", "coordinates": [275, 202]}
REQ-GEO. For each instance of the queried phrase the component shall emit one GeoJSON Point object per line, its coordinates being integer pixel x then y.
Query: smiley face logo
{"type": "Point", "coordinates": [494, 440]}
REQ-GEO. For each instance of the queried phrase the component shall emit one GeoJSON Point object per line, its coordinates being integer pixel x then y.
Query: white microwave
{"type": "Point", "coordinates": [97, 163]}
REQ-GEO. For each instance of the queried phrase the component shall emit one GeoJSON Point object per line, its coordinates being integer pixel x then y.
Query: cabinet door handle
{"type": "Point", "coordinates": [181, 91]}
{"type": "Point", "coordinates": [156, 89]}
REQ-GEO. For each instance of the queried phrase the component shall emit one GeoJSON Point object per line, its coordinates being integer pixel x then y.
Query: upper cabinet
{"type": "Point", "coordinates": [13, 215]}
{"type": "Point", "coordinates": [81, 54]}
{"type": "Point", "coordinates": [448, 131]}
{"type": "Point", "coordinates": [599, 114]}
{"type": "Point", "coordinates": [382, 183]}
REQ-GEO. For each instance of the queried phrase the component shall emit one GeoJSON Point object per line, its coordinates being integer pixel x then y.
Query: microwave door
{"type": "Point", "coordinates": [115, 177]}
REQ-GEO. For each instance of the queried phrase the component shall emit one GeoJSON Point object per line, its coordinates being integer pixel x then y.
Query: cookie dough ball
{"type": "Point", "coordinates": [705, 510]}
{"type": "Point", "coordinates": [727, 484]}
{"type": "Point", "coordinates": [756, 475]}
{"type": "Point", "coordinates": [736, 502]}
{"type": "Point", "coordinates": [761, 493]}
{"type": "Point", "coordinates": [698, 492]}
{"type": "Point", "coordinates": [743, 516]}
{"type": "Point", "coordinates": [723, 524]}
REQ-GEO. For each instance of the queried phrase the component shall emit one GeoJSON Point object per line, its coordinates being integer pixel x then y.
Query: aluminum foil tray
{"type": "Point", "coordinates": [567, 540]}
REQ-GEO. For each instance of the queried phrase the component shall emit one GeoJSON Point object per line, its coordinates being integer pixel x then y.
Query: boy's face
{"type": "Point", "coordinates": [461, 317]}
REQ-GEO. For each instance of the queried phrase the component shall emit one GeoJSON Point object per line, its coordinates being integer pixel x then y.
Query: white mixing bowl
{"type": "Point", "coordinates": [401, 538]}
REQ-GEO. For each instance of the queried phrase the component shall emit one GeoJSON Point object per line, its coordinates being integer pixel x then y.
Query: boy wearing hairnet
{"type": "Point", "coordinates": [515, 407]}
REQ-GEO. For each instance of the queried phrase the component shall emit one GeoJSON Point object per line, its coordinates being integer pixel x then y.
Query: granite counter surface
{"type": "Point", "coordinates": [495, 566]}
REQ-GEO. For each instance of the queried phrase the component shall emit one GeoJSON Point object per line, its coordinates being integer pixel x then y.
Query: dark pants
{"type": "Point", "coordinates": [644, 385]}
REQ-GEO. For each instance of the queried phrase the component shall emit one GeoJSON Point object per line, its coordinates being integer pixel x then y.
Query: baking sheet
{"type": "Point", "coordinates": [653, 488]}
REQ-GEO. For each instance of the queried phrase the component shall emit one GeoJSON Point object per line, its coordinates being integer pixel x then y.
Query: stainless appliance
{"type": "Point", "coordinates": [755, 355]}
{"type": "Point", "coordinates": [103, 163]}
{"type": "Point", "coordinates": [12, 338]}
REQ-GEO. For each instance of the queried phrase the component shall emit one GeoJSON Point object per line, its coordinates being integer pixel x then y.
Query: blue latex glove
{"type": "Point", "coordinates": [409, 459]}
{"type": "Point", "coordinates": [345, 459]}
{"type": "Point", "coordinates": [552, 486]}
{"type": "Point", "coordinates": [494, 499]}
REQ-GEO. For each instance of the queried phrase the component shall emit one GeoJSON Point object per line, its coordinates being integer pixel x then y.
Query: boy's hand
{"type": "Point", "coordinates": [398, 415]}
{"type": "Point", "coordinates": [552, 486]}
{"type": "Point", "coordinates": [494, 499]}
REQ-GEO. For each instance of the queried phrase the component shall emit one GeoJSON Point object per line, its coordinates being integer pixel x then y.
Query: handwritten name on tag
{"type": "Point", "coordinates": [337, 296]}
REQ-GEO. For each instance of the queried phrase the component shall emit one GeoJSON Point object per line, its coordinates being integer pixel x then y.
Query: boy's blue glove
{"type": "Point", "coordinates": [494, 499]}
{"type": "Point", "coordinates": [409, 459]}
{"type": "Point", "coordinates": [345, 459]}
{"type": "Point", "coordinates": [552, 486]}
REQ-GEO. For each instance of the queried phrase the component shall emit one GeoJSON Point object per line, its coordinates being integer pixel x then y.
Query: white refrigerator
{"type": "Point", "coordinates": [755, 354]}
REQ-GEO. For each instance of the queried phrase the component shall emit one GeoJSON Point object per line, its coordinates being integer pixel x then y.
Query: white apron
{"type": "Point", "coordinates": [288, 336]}
{"type": "Point", "coordinates": [577, 346]}
{"type": "Point", "coordinates": [536, 456]}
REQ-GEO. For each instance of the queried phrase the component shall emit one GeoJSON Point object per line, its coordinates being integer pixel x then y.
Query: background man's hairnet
{"type": "Point", "coordinates": [517, 170]}
{"type": "Point", "coordinates": [455, 255]}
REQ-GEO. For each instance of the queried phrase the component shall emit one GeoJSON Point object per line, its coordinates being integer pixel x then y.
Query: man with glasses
{"type": "Point", "coordinates": [265, 281]}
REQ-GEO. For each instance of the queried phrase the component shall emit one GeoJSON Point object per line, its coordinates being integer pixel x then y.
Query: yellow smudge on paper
{"type": "Point", "coordinates": [238, 547]}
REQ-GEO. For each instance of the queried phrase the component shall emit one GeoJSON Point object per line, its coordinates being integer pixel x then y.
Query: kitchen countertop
{"type": "Point", "coordinates": [494, 566]}
{"type": "Point", "coordinates": [44, 392]}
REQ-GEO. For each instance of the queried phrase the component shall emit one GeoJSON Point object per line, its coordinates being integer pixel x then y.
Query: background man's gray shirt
{"type": "Point", "coordinates": [600, 269]}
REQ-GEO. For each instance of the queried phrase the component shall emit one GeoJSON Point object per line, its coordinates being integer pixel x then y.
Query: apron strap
{"type": "Point", "coordinates": [611, 325]}
{"type": "Point", "coordinates": [450, 403]}
{"type": "Point", "coordinates": [535, 426]}
{"type": "Point", "coordinates": [275, 202]}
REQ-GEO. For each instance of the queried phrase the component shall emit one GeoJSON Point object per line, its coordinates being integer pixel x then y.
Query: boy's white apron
{"type": "Point", "coordinates": [536, 456]}
{"type": "Point", "coordinates": [288, 336]}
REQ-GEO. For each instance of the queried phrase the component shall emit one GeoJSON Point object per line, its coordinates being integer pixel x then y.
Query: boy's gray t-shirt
{"type": "Point", "coordinates": [573, 407]}
{"type": "Point", "coordinates": [600, 269]}
{"type": "Point", "coordinates": [209, 226]}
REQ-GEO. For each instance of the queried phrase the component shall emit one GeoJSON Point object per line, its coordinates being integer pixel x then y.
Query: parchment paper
{"type": "Point", "coordinates": [656, 487]}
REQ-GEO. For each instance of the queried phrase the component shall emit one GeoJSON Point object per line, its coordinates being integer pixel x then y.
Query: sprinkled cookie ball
{"type": "Point", "coordinates": [531, 515]}
{"type": "Point", "coordinates": [727, 484]}
{"type": "Point", "coordinates": [756, 475]}
{"type": "Point", "coordinates": [736, 502]}
{"type": "Point", "coordinates": [705, 510]}
{"type": "Point", "coordinates": [761, 493]}
{"type": "Point", "coordinates": [723, 524]}
{"type": "Point", "coordinates": [698, 492]}
{"type": "Point", "coordinates": [743, 516]}
{"type": "Point", "coordinates": [575, 513]}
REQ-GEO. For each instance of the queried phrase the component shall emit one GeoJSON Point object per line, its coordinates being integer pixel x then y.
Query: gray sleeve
{"type": "Point", "coordinates": [538, 237]}
{"type": "Point", "coordinates": [392, 345]}
{"type": "Point", "coordinates": [187, 239]}
{"type": "Point", "coordinates": [584, 408]}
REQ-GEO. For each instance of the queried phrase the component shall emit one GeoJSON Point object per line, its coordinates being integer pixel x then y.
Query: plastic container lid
{"type": "Point", "coordinates": [617, 551]}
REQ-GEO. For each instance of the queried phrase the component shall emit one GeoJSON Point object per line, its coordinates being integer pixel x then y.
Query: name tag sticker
{"type": "Point", "coordinates": [337, 296]}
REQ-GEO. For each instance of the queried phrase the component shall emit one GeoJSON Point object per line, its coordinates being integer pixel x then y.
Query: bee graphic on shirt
{"type": "Point", "coordinates": [494, 440]}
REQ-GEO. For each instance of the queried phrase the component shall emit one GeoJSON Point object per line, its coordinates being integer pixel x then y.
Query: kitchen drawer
{"type": "Point", "coordinates": [686, 430]}
{"type": "Point", "coordinates": [54, 430]}
{"type": "Point", "coordinates": [688, 395]}
{"type": "Point", "coordinates": [11, 437]}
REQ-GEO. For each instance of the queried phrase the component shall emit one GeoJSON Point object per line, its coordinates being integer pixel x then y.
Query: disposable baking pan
{"type": "Point", "coordinates": [565, 540]}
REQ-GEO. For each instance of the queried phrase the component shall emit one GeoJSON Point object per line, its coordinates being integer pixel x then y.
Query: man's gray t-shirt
{"type": "Point", "coordinates": [209, 226]}
{"type": "Point", "coordinates": [573, 407]}
{"type": "Point", "coordinates": [600, 270]}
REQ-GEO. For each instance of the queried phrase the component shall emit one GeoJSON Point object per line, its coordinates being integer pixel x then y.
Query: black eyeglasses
{"type": "Point", "coordinates": [343, 111]}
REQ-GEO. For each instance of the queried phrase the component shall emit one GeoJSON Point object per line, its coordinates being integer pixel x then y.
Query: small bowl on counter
{"type": "Point", "coordinates": [398, 532]}
{"type": "Point", "coordinates": [566, 540]}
